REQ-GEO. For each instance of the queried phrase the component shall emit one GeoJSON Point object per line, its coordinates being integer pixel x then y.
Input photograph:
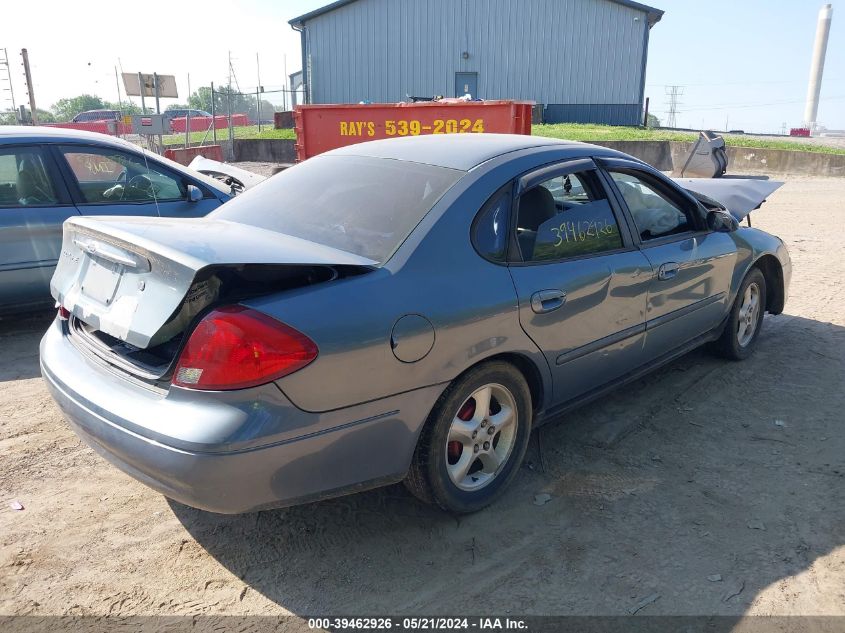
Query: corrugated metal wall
{"type": "Point", "coordinates": [567, 52]}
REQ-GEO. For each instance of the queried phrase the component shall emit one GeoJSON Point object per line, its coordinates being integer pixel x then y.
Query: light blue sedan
{"type": "Point", "coordinates": [48, 175]}
{"type": "Point", "coordinates": [404, 309]}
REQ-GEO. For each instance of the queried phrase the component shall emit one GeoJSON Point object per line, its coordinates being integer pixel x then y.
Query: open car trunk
{"type": "Point", "coordinates": [135, 286]}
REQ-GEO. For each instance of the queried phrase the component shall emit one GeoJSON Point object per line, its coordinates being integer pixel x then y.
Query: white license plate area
{"type": "Point", "coordinates": [100, 280]}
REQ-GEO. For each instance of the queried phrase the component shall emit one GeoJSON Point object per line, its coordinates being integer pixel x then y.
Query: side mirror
{"type": "Point", "coordinates": [194, 193]}
{"type": "Point", "coordinates": [721, 222]}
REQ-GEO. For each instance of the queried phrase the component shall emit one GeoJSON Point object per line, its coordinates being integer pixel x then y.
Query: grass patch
{"type": "Point", "coordinates": [591, 133]}
{"type": "Point", "coordinates": [791, 146]}
{"type": "Point", "coordinates": [245, 131]}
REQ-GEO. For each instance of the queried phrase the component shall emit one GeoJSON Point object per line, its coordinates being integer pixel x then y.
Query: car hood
{"type": "Point", "coordinates": [740, 196]}
{"type": "Point", "coordinates": [216, 169]}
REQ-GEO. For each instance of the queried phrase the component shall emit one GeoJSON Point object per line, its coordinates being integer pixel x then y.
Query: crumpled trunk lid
{"type": "Point", "coordinates": [127, 276]}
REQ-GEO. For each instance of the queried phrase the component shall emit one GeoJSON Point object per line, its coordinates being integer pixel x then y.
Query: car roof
{"type": "Point", "coordinates": [14, 134]}
{"type": "Point", "coordinates": [39, 134]}
{"type": "Point", "coordinates": [462, 151]}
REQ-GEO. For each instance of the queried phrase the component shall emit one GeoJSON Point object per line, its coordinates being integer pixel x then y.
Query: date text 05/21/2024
{"type": "Point", "coordinates": [418, 623]}
{"type": "Point", "coordinates": [412, 127]}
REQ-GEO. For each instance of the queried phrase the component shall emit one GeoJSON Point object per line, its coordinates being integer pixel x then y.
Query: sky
{"type": "Point", "coordinates": [743, 64]}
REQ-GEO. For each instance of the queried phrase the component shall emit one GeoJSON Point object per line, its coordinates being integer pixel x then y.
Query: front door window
{"type": "Point", "coordinates": [110, 176]}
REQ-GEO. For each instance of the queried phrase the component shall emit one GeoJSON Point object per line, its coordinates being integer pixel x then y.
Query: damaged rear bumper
{"type": "Point", "coordinates": [231, 452]}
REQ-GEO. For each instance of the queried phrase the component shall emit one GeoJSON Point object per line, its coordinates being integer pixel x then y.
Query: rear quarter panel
{"type": "Point", "coordinates": [470, 302]}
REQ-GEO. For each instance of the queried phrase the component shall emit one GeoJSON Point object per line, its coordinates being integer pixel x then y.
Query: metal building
{"type": "Point", "coordinates": [583, 59]}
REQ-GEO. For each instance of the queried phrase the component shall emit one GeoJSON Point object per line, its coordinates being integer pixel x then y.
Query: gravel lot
{"type": "Point", "coordinates": [707, 488]}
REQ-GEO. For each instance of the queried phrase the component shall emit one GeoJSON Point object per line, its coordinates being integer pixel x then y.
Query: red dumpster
{"type": "Point", "coordinates": [320, 128]}
{"type": "Point", "coordinates": [184, 155]}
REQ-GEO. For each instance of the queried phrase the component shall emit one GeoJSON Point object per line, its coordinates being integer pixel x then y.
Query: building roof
{"type": "Point", "coordinates": [654, 15]}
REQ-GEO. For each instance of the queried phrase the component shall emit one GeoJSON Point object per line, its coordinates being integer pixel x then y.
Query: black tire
{"type": "Point", "coordinates": [728, 345]}
{"type": "Point", "coordinates": [428, 478]}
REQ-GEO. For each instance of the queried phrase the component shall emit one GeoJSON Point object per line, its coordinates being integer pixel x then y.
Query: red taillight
{"type": "Point", "coordinates": [234, 347]}
{"type": "Point", "coordinates": [64, 313]}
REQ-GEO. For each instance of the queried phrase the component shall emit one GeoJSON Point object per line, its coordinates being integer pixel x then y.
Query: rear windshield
{"type": "Point", "coordinates": [365, 206]}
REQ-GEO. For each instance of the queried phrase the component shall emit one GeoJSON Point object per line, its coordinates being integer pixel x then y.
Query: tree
{"type": "Point", "coordinates": [177, 106]}
{"type": "Point", "coordinates": [267, 110]}
{"type": "Point", "coordinates": [652, 121]}
{"type": "Point", "coordinates": [126, 107]}
{"type": "Point", "coordinates": [11, 118]}
{"type": "Point", "coordinates": [201, 99]}
{"type": "Point", "coordinates": [44, 116]}
{"type": "Point", "coordinates": [66, 109]}
{"type": "Point", "coordinates": [224, 97]}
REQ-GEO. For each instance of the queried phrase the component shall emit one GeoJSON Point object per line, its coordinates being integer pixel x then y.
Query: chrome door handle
{"type": "Point", "coordinates": [547, 300]}
{"type": "Point", "coordinates": [667, 271]}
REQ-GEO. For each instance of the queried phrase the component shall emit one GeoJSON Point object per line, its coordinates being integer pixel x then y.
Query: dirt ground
{"type": "Point", "coordinates": [709, 487]}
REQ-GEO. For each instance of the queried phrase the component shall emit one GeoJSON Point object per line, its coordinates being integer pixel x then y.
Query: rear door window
{"type": "Point", "coordinates": [490, 229]}
{"type": "Point", "coordinates": [24, 179]}
{"type": "Point", "coordinates": [566, 216]}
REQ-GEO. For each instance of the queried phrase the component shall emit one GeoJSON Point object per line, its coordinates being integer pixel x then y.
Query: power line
{"type": "Point", "coordinates": [727, 106]}
{"type": "Point", "coordinates": [747, 83]}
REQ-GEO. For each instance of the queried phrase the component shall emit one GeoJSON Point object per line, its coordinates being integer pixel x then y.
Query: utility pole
{"type": "Point", "coordinates": [258, 91]}
{"type": "Point", "coordinates": [229, 103]}
{"type": "Point", "coordinates": [160, 149]}
{"type": "Point", "coordinates": [117, 85]}
{"type": "Point", "coordinates": [213, 116]}
{"type": "Point", "coordinates": [673, 93]}
{"type": "Point", "coordinates": [155, 93]}
{"type": "Point", "coordinates": [120, 125]}
{"type": "Point", "coordinates": [285, 93]}
{"type": "Point", "coordinates": [29, 89]}
{"type": "Point", "coordinates": [188, 116]}
{"type": "Point", "coordinates": [142, 90]}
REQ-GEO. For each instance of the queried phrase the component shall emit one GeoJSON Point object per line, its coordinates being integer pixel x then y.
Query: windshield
{"type": "Point", "coordinates": [208, 180]}
{"type": "Point", "coordinates": [365, 206]}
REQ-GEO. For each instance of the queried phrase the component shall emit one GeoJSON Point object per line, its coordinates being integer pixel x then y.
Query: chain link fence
{"type": "Point", "coordinates": [233, 114]}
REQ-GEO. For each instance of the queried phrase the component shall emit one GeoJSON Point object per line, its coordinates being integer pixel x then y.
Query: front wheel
{"type": "Point", "coordinates": [474, 440]}
{"type": "Point", "coordinates": [745, 319]}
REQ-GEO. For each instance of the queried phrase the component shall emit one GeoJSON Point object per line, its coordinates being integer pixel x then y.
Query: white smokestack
{"type": "Point", "coordinates": [817, 67]}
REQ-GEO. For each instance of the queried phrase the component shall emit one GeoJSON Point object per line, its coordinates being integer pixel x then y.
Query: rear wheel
{"type": "Point", "coordinates": [746, 318]}
{"type": "Point", "coordinates": [474, 440]}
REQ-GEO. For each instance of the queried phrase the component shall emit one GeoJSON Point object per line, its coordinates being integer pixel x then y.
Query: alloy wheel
{"type": "Point", "coordinates": [749, 315]}
{"type": "Point", "coordinates": [481, 437]}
